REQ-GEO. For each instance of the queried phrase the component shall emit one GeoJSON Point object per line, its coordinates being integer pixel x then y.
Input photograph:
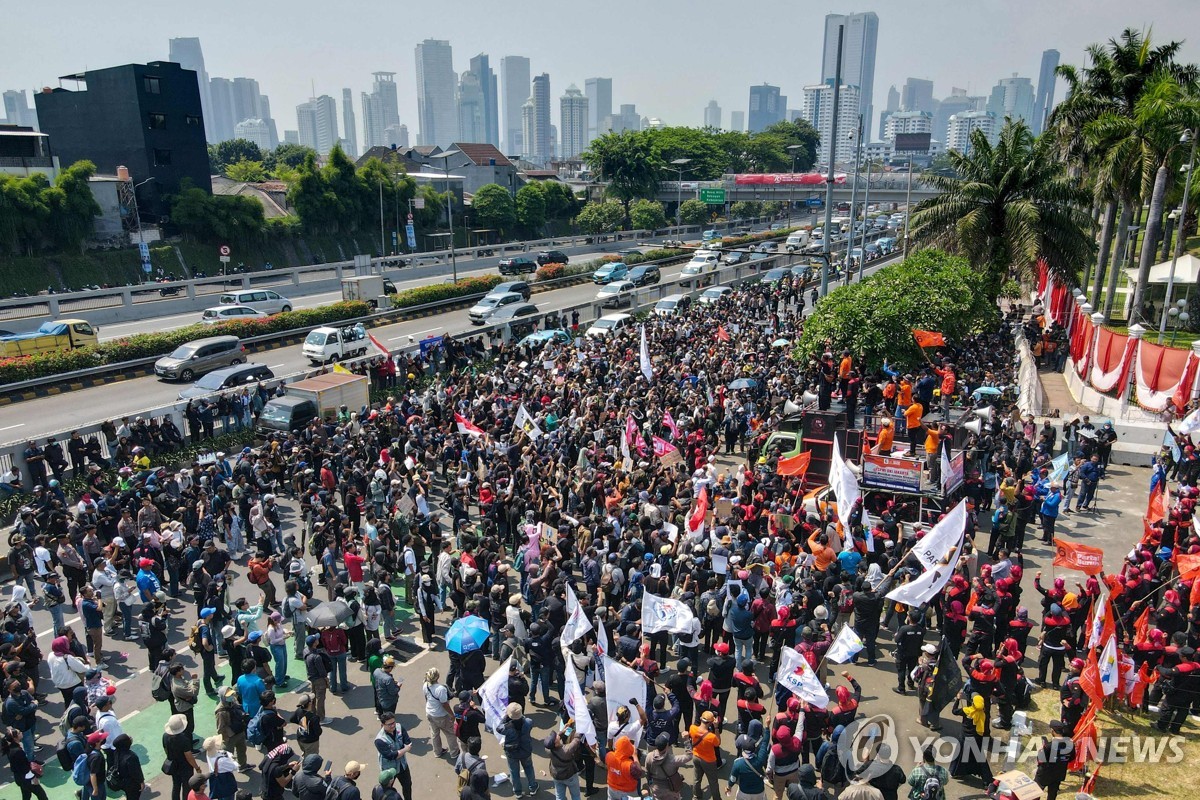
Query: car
{"type": "Point", "coordinates": [617, 293]}
{"type": "Point", "coordinates": [539, 338]}
{"type": "Point", "coordinates": [872, 249]}
{"type": "Point", "coordinates": [735, 257]}
{"type": "Point", "coordinates": [200, 356]}
{"type": "Point", "coordinates": [644, 275]}
{"type": "Point", "coordinates": [613, 271]}
{"type": "Point", "coordinates": [629, 251]}
{"type": "Point", "coordinates": [776, 275]}
{"type": "Point", "coordinates": [520, 287]}
{"type": "Point", "coordinates": [818, 232]}
{"type": "Point", "coordinates": [757, 256]}
{"type": "Point", "coordinates": [801, 271]}
{"type": "Point", "coordinates": [856, 254]}
{"type": "Point", "coordinates": [672, 304]}
{"type": "Point", "coordinates": [216, 314]}
{"type": "Point", "coordinates": [552, 257]}
{"type": "Point", "coordinates": [768, 247]}
{"type": "Point", "coordinates": [262, 300]}
{"type": "Point", "coordinates": [610, 323]}
{"type": "Point", "coordinates": [511, 312]}
{"type": "Point", "coordinates": [777, 226]}
{"type": "Point", "coordinates": [227, 378]}
{"type": "Point", "coordinates": [489, 303]}
{"type": "Point", "coordinates": [699, 266]}
{"type": "Point", "coordinates": [886, 244]}
{"type": "Point", "coordinates": [517, 265]}
{"type": "Point", "coordinates": [713, 294]}
{"type": "Point", "coordinates": [710, 236]}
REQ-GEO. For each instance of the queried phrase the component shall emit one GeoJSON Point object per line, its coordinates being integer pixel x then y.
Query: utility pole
{"type": "Point", "coordinates": [853, 198]}
{"type": "Point", "coordinates": [837, 93]}
{"type": "Point", "coordinates": [866, 204]}
{"type": "Point", "coordinates": [908, 205]}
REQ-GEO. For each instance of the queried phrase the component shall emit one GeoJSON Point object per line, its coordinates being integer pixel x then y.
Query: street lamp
{"type": "Point", "coordinates": [1179, 236]}
{"type": "Point", "coordinates": [445, 159]}
{"type": "Point", "coordinates": [678, 164]}
{"type": "Point", "coordinates": [1179, 316]}
{"type": "Point", "coordinates": [794, 148]}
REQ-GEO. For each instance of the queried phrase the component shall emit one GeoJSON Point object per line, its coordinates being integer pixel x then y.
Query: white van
{"type": "Point", "coordinates": [610, 323]}
{"type": "Point", "coordinates": [262, 300]}
{"type": "Point", "coordinates": [797, 240]}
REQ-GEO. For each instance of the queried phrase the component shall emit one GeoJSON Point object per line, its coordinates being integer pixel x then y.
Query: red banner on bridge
{"type": "Point", "coordinates": [785, 179]}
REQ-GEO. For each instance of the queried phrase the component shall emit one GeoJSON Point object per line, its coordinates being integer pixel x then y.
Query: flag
{"type": "Point", "coordinates": [621, 684]}
{"type": "Point", "coordinates": [796, 675]}
{"type": "Point", "coordinates": [1081, 557]}
{"type": "Point", "coordinates": [1089, 679]}
{"type": "Point", "coordinates": [1155, 510]}
{"type": "Point", "coordinates": [947, 679]}
{"type": "Point", "coordinates": [633, 435]}
{"type": "Point", "coordinates": [928, 338]}
{"type": "Point", "coordinates": [601, 638]}
{"type": "Point", "coordinates": [845, 646]}
{"type": "Point", "coordinates": [665, 614]}
{"type": "Point", "coordinates": [340, 370]}
{"type": "Point", "coordinates": [1084, 739]}
{"type": "Point", "coordinates": [845, 486]}
{"type": "Point", "coordinates": [1101, 624]}
{"type": "Point", "coordinates": [932, 548]}
{"type": "Point", "coordinates": [466, 427]}
{"type": "Point", "coordinates": [1108, 666]}
{"type": "Point", "coordinates": [947, 472]}
{"type": "Point", "coordinates": [1141, 627]}
{"type": "Point", "coordinates": [1059, 467]}
{"type": "Point", "coordinates": [695, 522]}
{"type": "Point", "coordinates": [577, 622]}
{"type": "Point", "coordinates": [1189, 424]}
{"type": "Point", "coordinates": [662, 448]}
{"type": "Point", "coordinates": [644, 353]}
{"type": "Point", "coordinates": [669, 421]}
{"type": "Point", "coordinates": [576, 705]}
{"type": "Point", "coordinates": [1188, 566]}
{"type": "Point", "coordinates": [722, 334]}
{"type": "Point", "coordinates": [526, 423]}
{"type": "Point", "coordinates": [796, 465]}
{"type": "Point", "coordinates": [379, 346]}
{"type": "Point", "coordinates": [493, 694]}
{"type": "Point", "coordinates": [929, 583]}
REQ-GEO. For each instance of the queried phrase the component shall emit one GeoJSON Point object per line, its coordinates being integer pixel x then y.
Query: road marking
{"type": "Point", "coordinates": [130, 715]}
{"type": "Point", "coordinates": [273, 366]}
{"type": "Point", "coordinates": [10, 427]}
{"type": "Point", "coordinates": [141, 671]}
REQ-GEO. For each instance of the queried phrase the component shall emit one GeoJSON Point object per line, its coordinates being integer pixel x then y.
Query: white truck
{"type": "Point", "coordinates": [373, 289]}
{"type": "Point", "coordinates": [322, 397]}
{"type": "Point", "coordinates": [797, 240]}
{"type": "Point", "coordinates": [327, 343]}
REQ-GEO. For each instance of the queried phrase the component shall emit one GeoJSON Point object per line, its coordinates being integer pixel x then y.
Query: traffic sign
{"type": "Point", "coordinates": [144, 249]}
{"type": "Point", "coordinates": [224, 250]}
{"type": "Point", "coordinates": [418, 202]}
{"type": "Point", "coordinates": [814, 202]}
{"type": "Point", "coordinates": [411, 233]}
{"type": "Point", "coordinates": [714, 197]}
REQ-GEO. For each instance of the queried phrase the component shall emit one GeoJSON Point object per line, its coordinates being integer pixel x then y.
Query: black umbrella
{"type": "Point", "coordinates": [329, 615]}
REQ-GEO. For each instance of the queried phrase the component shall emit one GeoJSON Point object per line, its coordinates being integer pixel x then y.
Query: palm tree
{"type": "Point", "coordinates": [1007, 206]}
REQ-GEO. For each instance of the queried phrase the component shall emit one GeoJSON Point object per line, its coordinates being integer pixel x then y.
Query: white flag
{"type": "Point", "coordinates": [845, 485]}
{"type": "Point", "coordinates": [620, 685]}
{"type": "Point", "coordinates": [526, 423]}
{"type": "Point", "coordinates": [1189, 424]}
{"type": "Point", "coordinates": [845, 646]}
{"type": "Point", "coordinates": [601, 638]}
{"type": "Point", "coordinates": [644, 352]}
{"type": "Point", "coordinates": [931, 581]}
{"type": "Point", "coordinates": [797, 676]}
{"type": "Point", "coordinates": [1108, 666]}
{"type": "Point", "coordinates": [1100, 612]}
{"type": "Point", "coordinates": [577, 622]}
{"type": "Point", "coordinates": [933, 546]}
{"type": "Point", "coordinates": [665, 614]}
{"type": "Point", "coordinates": [576, 705]}
{"type": "Point", "coordinates": [494, 695]}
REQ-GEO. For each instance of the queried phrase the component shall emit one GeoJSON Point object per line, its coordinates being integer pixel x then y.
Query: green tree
{"type": "Point", "coordinates": [744, 209]}
{"type": "Point", "coordinates": [246, 171]}
{"type": "Point", "coordinates": [310, 196]}
{"type": "Point", "coordinates": [222, 154]}
{"type": "Point", "coordinates": [25, 212]}
{"type": "Point", "coordinates": [706, 160]}
{"type": "Point", "coordinates": [1012, 205]}
{"type": "Point", "coordinates": [531, 209]}
{"type": "Point", "coordinates": [603, 217]}
{"type": "Point", "coordinates": [693, 212]}
{"type": "Point", "coordinates": [75, 208]}
{"type": "Point", "coordinates": [647, 215]}
{"type": "Point", "coordinates": [287, 154]}
{"type": "Point", "coordinates": [495, 208]}
{"type": "Point", "coordinates": [202, 217]}
{"type": "Point", "coordinates": [628, 166]}
{"type": "Point", "coordinates": [561, 203]}
{"type": "Point", "coordinates": [433, 215]}
{"type": "Point", "coordinates": [799, 132]}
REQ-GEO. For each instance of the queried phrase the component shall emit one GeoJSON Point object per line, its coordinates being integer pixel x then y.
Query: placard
{"type": "Point", "coordinates": [784, 522]}
{"type": "Point", "coordinates": [723, 508]}
{"type": "Point", "coordinates": [886, 472]}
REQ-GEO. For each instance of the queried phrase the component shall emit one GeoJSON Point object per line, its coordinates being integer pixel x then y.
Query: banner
{"type": "Point", "coordinates": [931, 581]}
{"type": "Point", "coordinates": [947, 678]}
{"type": "Point", "coordinates": [644, 358]}
{"type": "Point", "coordinates": [430, 343]}
{"type": "Point", "coordinates": [845, 646]}
{"type": "Point", "coordinates": [576, 705]}
{"type": "Point", "coordinates": [466, 427]}
{"type": "Point", "coordinates": [845, 485]}
{"type": "Point", "coordinates": [665, 614]}
{"type": "Point", "coordinates": [1059, 467]}
{"type": "Point", "coordinates": [886, 472]}
{"type": "Point", "coordinates": [526, 423]}
{"type": "Point", "coordinates": [797, 676]}
{"type": "Point", "coordinates": [952, 472]}
{"type": "Point", "coordinates": [620, 685]}
{"type": "Point", "coordinates": [577, 622]}
{"type": "Point", "coordinates": [785, 178]}
{"type": "Point", "coordinates": [493, 695]}
{"type": "Point", "coordinates": [1082, 557]}
{"type": "Point", "coordinates": [947, 533]}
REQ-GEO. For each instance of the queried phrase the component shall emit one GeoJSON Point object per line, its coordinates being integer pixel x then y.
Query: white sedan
{"type": "Point", "coordinates": [218, 314]}
{"type": "Point", "coordinates": [617, 293]}
{"type": "Point", "coordinates": [713, 294]}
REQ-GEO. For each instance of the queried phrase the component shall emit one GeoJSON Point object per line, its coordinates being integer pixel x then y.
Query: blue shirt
{"type": "Point", "coordinates": [848, 560]}
{"type": "Point", "coordinates": [147, 583]}
{"type": "Point", "coordinates": [93, 617]}
{"type": "Point", "coordinates": [1051, 503]}
{"type": "Point", "coordinates": [251, 687]}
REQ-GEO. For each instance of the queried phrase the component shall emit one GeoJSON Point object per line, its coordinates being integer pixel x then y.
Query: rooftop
{"type": "Point", "coordinates": [483, 154]}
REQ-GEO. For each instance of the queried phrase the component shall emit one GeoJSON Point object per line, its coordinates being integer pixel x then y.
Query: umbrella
{"type": "Point", "coordinates": [743, 383]}
{"type": "Point", "coordinates": [986, 391]}
{"type": "Point", "coordinates": [466, 634]}
{"type": "Point", "coordinates": [780, 343]}
{"type": "Point", "coordinates": [329, 615]}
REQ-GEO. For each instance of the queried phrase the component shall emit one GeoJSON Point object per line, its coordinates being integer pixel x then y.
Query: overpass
{"type": "Point", "coordinates": [887, 188]}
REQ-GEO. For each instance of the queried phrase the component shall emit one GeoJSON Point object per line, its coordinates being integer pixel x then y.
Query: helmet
{"type": "Point", "coordinates": [53, 484]}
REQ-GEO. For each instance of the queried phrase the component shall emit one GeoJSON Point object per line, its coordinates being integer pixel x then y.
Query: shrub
{"type": "Point", "coordinates": [549, 272]}
{"type": "Point", "coordinates": [1011, 289]}
{"type": "Point", "coordinates": [436, 292]}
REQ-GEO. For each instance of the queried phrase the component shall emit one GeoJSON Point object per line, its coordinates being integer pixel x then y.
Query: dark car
{"type": "Point", "coordinates": [552, 257]}
{"type": "Point", "coordinates": [517, 265]}
{"type": "Point", "coordinates": [228, 378]}
{"type": "Point", "coordinates": [520, 287]}
{"type": "Point", "coordinates": [509, 313]}
{"type": "Point", "coordinates": [644, 275]}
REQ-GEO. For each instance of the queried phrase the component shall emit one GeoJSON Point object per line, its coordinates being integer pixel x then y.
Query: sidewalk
{"type": "Point", "coordinates": [1059, 402]}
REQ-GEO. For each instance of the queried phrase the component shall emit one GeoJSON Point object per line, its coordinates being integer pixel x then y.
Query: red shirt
{"type": "Point", "coordinates": [354, 566]}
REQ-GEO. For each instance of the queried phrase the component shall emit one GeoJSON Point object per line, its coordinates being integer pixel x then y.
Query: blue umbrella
{"type": "Point", "coordinates": [467, 634]}
{"type": "Point", "coordinates": [743, 383]}
{"type": "Point", "coordinates": [986, 391]}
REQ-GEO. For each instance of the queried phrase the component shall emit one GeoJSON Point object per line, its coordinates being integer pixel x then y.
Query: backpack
{"type": "Point", "coordinates": [63, 752]}
{"type": "Point", "coordinates": [79, 770]}
{"type": "Point", "coordinates": [112, 776]}
{"type": "Point", "coordinates": [254, 734]}
{"type": "Point", "coordinates": [160, 690]}
{"type": "Point", "coordinates": [932, 789]}
{"type": "Point", "coordinates": [194, 639]}
{"type": "Point", "coordinates": [832, 771]}
{"type": "Point", "coordinates": [335, 788]}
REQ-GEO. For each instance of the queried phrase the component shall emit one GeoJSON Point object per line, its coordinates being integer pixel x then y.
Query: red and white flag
{"type": "Point", "coordinates": [695, 523]}
{"type": "Point", "coordinates": [669, 421]}
{"type": "Point", "coordinates": [468, 428]}
{"type": "Point", "coordinates": [379, 346]}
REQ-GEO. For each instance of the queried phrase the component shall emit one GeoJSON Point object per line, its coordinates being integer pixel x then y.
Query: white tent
{"type": "Point", "coordinates": [1187, 271]}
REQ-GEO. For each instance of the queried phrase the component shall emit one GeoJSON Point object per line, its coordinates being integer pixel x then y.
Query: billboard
{"type": "Point", "coordinates": [886, 472]}
{"type": "Point", "coordinates": [912, 142]}
{"type": "Point", "coordinates": [785, 179]}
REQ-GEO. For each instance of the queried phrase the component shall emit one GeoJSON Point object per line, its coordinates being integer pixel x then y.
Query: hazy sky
{"type": "Point", "coordinates": [670, 57]}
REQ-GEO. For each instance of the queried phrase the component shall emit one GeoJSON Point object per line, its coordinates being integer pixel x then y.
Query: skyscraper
{"type": "Point", "coordinates": [543, 142]}
{"type": "Point", "coordinates": [1043, 104]}
{"type": "Point", "coordinates": [818, 110]}
{"type": "Point", "coordinates": [247, 100]}
{"type": "Point", "coordinates": [599, 97]}
{"type": "Point", "coordinates": [527, 125]}
{"type": "Point", "coordinates": [17, 110]}
{"type": "Point", "coordinates": [265, 103]}
{"type": "Point", "coordinates": [396, 135]}
{"type": "Point", "coordinates": [712, 115]}
{"type": "Point", "coordinates": [918, 96]}
{"type": "Point", "coordinates": [436, 83]}
{"type": "Point", "coordinates": [861, 32]}
{"type": "Point", "coordinates": [893, 105]}
{"type": "Point", "coordinates": [957, 103]}
{"type": "Point", "coordinates": [254, 130]}
{"type": "Point", "coordinates": [514, 85]}
{"type": "Point", "coordinates": [186, 52]}
{"type": "Point", "coordinates": [737, 121]}
{"type": "Point", "coordinates": [380, 110]}
{"type": "Point", "coordinates": [350, 140]}
{"type": "Point", "coordinates": [958, 130]}
{"type": "Point", "coordinates": [471, 126]}
{"type": "Point", "coordinates": [317, 120]}
{"type": "Point", "coordinates": [574, 110]}
{"type": "Point", "coordinates": [767, 107]}
{"type": "Point", "coordinates": [1012, 97]}
{"type": "Point", "coordinates": [482, 69]}
{"type": "Point", "coordinates": [220, 94]}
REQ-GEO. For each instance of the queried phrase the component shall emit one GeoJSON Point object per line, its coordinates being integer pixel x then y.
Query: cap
{"type": "Point", "coordinates": [708, 717]}
{"type": "Point", "coordinates": [255, 635]}
{"type": "Point", "coordinates": [312, 639]}
{"type": "Point", "coordinates": [354, 766]}
{"type": "Point", "coordinates": [387, 776]}
{"type": "Point", "coordinates": [930, 649]}
{"type": "Point", "coordinates": [97, 737]}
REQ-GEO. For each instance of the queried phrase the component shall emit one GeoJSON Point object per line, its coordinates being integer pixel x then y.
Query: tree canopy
{"type": "Point", "coordinates": [337, 198]}
{"type": "Point", "coordinates": [495, 208]}
{"type": "Point", "coordinates": [37, 216]}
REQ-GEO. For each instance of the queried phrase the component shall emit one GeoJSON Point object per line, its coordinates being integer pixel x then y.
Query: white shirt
{"type": "Point", "coordinates": [106, 721]}
{"type": "Point", "coordinates": [66, 671]}
{"type": "Point", "coordinates": [632, 729]}
{"type": "Point", "coordinates": [435, 694]}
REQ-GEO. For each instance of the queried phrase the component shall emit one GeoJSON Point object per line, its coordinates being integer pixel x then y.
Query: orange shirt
{"type": "Point", "coordinates": [845, 366]}
{"type": "Point", "coordinates": [823, 555]}
{"type": "Point", "coordinates": [620, 766]}
{"type": "Point", "coordinates": [931, 440]}
{"type": "Point", "coordinates": [704, 744]}
{"type": "Point", "coordinates": [913, 414]}
{"type": "Point", "coordinates": [886, 437]}
{"type": "Point", "coordinates": [905, 393]}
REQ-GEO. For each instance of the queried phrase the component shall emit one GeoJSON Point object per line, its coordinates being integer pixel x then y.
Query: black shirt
{"type": "Point", "coordinates": [271, 726]}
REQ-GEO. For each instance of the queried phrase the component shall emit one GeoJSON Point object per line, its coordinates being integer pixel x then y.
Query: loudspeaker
{"type": "Point", "coordinates": [985, 413]}
{"type": "Point", "coordinates": [974, 426]}
{"type": "Point", "coordinates": [790, 408]}
{"type": "Point", "coordinates": [808, 398]}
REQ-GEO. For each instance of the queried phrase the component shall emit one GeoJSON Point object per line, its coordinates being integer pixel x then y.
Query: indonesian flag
{"type": "Point", "coordinates": [722, 334]}
{"type": "Point", "coordinates": [695, 523]}
{"type": "Point", "coordinates": [468, 428]}
{"type": "Point", "coordinates": [669, 421]}
{"type": "Point", "coordinates": [379, 346]}
{"type": "Point", "coordinates": [928, 338]}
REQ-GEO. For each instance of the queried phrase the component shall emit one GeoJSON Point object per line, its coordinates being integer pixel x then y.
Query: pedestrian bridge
{"type": "Point", "coordinates": [886, 189]}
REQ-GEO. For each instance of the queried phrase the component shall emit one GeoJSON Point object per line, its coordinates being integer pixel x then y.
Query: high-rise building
{"type": "Point", "coordinates": [220, 100]}
{"type": "Point", "coordinates": [737, 121]}
{"type": "Point", "coordinates": [514, 85]}
{"type": "Point", "coordinates": [471, 126]}
{"type": "Point", "coordinates": [599, 97]}
{"type": "Point", "coordinates": [818, 110]}
{"type": "Point", "coordinates": [918, 96]}
{"type": "Point", "coordinates": [254, 130]}
{"type": "Point", "coordinates": [907, 122]}
{"type": "Point", "coordinates": [543, 140]}
{"type": "Point", "coordinates": [957, 103]}
{"type": "Point", "coordinates": [1043, 103]}
{"type": "Point", "coordinates": [317, 120]}
{"type": "Point", "coordinates": [153, 123]}
{"type": "Point", "coordinates": [187, 53]}
{"type": "Point", "coordinates": [893, 105]}
{"type": "Point", "coordinates": [1012, 97]}
{"type": "Point", "coordinates": [349, 127]}
{"type": "Point", "coordinates": [767, 107]}
{"type": "Point", "coordinates": [265, 104]}
{"type": "Point", "coordinates": [958, 132]}
{"type": "Point", "coordinates": [247, 100]}
{"type": "Point", "coordinates": [573, 122]}
{"type": "Point", "coordinates": [17, 110]}
{"type": "Point", "coordinates": [859, 39]}
{"type": "Point", "coordinates": [436, 83]}
{"type": "Point", "coordinates": [528, 125]}
{"type": "Point", "coordinates": [380, 110]}
{"type": "Point", "coordinates": [712, 115]}
{"type": "Point", "coordinates": [482, 69]}
{"type": "Point", "coordinates": [396, 135]}
{"type": "Point", "coordinates": [627, 119]}
{"type": "Point", "coordinates": [291, 137]}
